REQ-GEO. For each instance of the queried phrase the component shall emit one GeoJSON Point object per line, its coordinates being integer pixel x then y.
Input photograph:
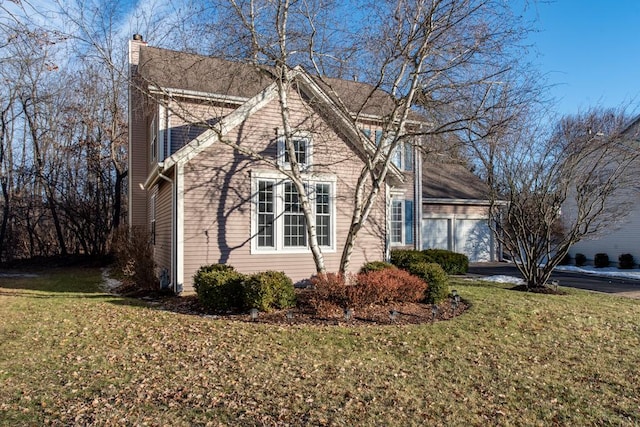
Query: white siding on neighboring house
{"type": "Point", "coordinates": [615, 242]}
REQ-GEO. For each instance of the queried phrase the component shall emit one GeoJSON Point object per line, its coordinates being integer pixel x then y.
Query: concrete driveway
{"type": "Point", "coordinates": [626, 287]}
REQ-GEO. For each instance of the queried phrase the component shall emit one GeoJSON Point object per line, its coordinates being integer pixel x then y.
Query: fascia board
{"type": "Point", "coordinates": [229, 122]}
{"type": "Point", "coordinates": [345, 121]}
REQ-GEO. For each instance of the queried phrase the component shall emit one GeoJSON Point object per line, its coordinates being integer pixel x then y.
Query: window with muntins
{"type": "Point", "coordinates": [265, 214]}
{"type": "Point", "coordinates": [302, 148]}
{"type": "Point", "coordinates": [323, 214]}
{"type": "Point", "coordinates": [396, 222]}
{"type": "Point", "coordinates": [295, 230]}
{"type": "Point", "coordinates": [402, 156]}
{"type": "Point", "coordinates": [401, 222]}
{"type": "Point", "coordinates": [278, 218]}
{"type": "Point", "coordinates": [153, 138]}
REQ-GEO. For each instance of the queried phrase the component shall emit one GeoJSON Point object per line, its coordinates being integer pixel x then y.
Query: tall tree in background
{"type": "Point", "coordinates": [572, 186]}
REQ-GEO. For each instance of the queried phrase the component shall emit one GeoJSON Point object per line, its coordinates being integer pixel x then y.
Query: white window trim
{"type": "Point", "coordinates": [279, 179]}
{"type": "Point", "coordinates": [162, 131]}
{"type": "Point", "coordinates": [153, 138]}
{"type": "Point", "coordinates": [402, 207]}
{"type": "Point", "coordinates": [152, 217]}
{"type": "Point", "coordinates": [281, 147]}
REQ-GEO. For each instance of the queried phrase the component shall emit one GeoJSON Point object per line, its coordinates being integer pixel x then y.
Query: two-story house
{"type": "Point", "coordinates": [205, 201]}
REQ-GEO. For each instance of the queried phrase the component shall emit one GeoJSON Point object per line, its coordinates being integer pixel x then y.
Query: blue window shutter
{"type": "Point", "coordinates": [378, 137]}
{"type": "Point", "coordinates": [408, 222]}
{"type": "Point", "coordinates": [367, 132]}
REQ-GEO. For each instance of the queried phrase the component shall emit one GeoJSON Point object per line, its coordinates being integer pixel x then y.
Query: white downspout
{"type": "Point", "coordinates": [387, 223]}
{"type": "Point", "coordinates": [417, 181]}
{"type": "Point", "coordinates": [179, 227]}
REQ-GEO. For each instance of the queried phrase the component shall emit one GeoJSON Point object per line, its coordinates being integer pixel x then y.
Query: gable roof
{"type": "Point", "coordinates": [451, 181]}
{"type": "Point", "coordinates": [252, 86]}
{"type": "Point", "coordinates": [172, 69]}
{"type": "Point", "coordinates": [632, 130]}
{"type": "Point", "coordinates": [180, 70]}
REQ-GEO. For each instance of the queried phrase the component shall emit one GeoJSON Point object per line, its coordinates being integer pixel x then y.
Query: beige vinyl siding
{"type": "Point", "coordinates": [162, 248]}
{"type": "Point", "coordinates": [189, 118]}
{"type": "Point", "coordinates": [217, 199]}
{"type": "Point", "coordinates": [137, 161]}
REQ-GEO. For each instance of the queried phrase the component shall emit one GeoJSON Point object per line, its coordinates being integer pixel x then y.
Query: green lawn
{"type": "Point", "coordinates": [73, 355]}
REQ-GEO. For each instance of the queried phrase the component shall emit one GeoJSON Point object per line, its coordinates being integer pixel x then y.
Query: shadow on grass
{"type": "Point", "coordinates": [76, 280]}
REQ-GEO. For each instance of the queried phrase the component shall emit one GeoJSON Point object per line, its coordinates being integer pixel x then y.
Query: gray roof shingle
{"type": "Point", "coordinates": [451, 181]}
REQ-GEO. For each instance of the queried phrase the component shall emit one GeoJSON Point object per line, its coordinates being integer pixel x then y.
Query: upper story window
{"type": "Point", "coordinates": [302, 147]}
{"type": "Point", "coordinates": [402, 156]}
{"type": "Point", "coordinates": [159, 135]}
{"type": "Point", "coordinates": [153, 138]}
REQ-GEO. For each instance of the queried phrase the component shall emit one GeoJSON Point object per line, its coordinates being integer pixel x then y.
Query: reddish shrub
{"type": "Point", "coordinates": [373, 287]}
{"type": "Point", "coordinates": [391, 285]}
{"type": "Point", "coordinates": [330, 290]}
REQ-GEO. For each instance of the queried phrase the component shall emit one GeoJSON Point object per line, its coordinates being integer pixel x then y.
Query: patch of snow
{"type": "Point", "coordinates": [11, 275]}
{"type": "Point", "coordinates": [606, 272]}
{"type": "Point", "coordinates": [503, 279]}
{"type": "Point", "coordinates": [108, 283]}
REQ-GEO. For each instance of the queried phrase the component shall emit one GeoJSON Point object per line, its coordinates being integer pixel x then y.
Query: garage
{"type": "Point", "coordinates": [455, 212]}
{"type": "Point", "coordinates": [470, 236]}
{"type": "Point", "coordinates": [474, 239]}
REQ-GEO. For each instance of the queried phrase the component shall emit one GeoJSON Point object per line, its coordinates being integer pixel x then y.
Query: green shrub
{"type": "Point", "coordinates": [436, 278]}
{"type": "Point", "coordinates": [216, 267]}
{"type": "Point", "coordinates": [581, 260]}
{"type": "Point", "coordinates": [402, 258]}
{"type": "Point", "coordinates": [626, 261]}
{"type": "Point", "coordinates": [375, 266]}
{"type": "Point", "coordinates": [219, 287]}
{"type": "Point", "coordinates": [451, 262]}
{"type": "Point", "coordinates": [268, 290]}
{"type": "Point", "coordinates": [601, 260]}
{"type": "Point", "coordinates": [566, 259]}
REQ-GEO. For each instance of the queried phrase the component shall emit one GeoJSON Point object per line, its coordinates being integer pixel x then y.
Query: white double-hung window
{"type": "Point", "coordinates": [302, 147]}
{"type": "Point", "coordinates": [278, 221]}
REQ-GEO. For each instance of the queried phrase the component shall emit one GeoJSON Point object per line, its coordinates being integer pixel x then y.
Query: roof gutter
{"type": "Point", "coordinates": [476, 202]}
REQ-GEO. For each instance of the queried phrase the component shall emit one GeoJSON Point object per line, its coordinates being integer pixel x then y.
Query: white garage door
{"type": "Point", "coordinates": [435, 233]}
{"type": "Point", "coordinates": [473, 238]}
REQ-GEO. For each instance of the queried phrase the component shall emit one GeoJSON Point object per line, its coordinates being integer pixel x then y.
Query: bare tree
{"type": "Point", "coordinates": [429, 57]}
{"type": "Point", "coordinates": [434, 61]}
{"type": "Point", "coordinates": [559, 191]}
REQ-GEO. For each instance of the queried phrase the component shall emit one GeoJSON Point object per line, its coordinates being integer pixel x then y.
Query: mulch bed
{"type": "Point", "coordinates": [304, 314]}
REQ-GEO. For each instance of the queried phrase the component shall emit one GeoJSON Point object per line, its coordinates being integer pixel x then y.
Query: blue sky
{"type": "Point", "coordinates": [590, 51]}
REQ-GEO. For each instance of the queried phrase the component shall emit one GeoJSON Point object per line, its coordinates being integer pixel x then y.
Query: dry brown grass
{"type": "Point", "coordinates": [73, 355]}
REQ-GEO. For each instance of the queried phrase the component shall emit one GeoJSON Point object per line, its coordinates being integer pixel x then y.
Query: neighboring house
{"type": "Point", "coordinates": [624, 236]}
{"type": "Point", "coordinates": [455, 212]}
{"type": "Point", "coordinates": [204, 202]}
